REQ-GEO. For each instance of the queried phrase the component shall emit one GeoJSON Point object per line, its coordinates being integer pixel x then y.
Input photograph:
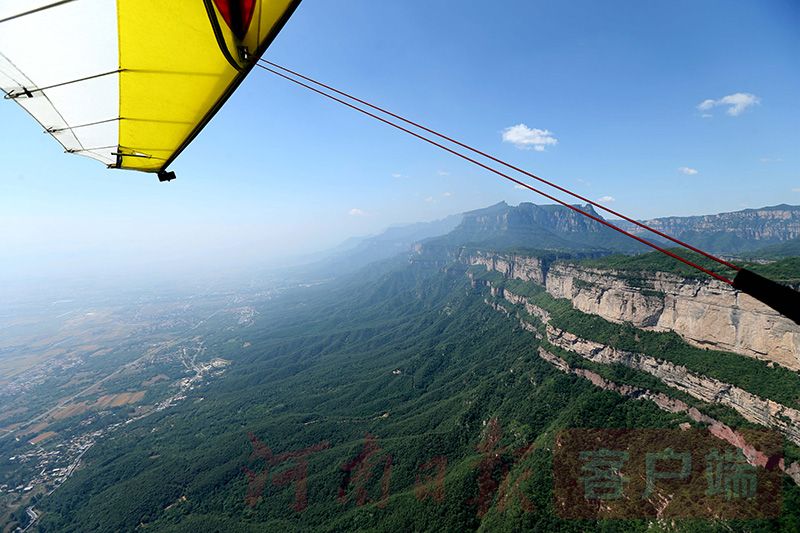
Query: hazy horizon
{"type": "Point", "coordinates": [280, 173]}
{"type": "Point", "coordinates": [90, 267]}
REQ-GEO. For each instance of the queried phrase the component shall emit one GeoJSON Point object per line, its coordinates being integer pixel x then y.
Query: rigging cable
{"type": "Point", "coordinates": [507, 165]}
{"type": "Point", "coordinates": [505, 176]}
{"type": "Point", "coordinates": [779, 297]}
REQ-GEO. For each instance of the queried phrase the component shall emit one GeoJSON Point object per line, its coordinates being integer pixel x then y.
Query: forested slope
{"type": "Point", "coordinates": [445, 402]}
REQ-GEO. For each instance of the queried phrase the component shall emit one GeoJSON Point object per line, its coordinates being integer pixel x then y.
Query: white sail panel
{"type": "Point", "coordinates": [45, 63]}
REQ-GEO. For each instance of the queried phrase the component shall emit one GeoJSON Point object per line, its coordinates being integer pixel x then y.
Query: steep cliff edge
{"type": "Point", "coordinates": [707, 314]}
{"type": "Point", "coordinates": [672, 405]}
{"type": "Point", "coordinates": [753, 408]}
{"type": "Point", "coordinates": [707, 390]}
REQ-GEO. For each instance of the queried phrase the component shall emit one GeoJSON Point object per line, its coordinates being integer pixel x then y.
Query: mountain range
{"type": "Point", "coordinates": [731, 233]}
{"type": "Point", "coordinates": [502, 226]}
{"type": "Point", "coordinates": [402, 395]}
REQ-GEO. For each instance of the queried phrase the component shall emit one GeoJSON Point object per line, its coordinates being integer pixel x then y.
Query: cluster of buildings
{"type": "Point", "coordinates": [53, 465]}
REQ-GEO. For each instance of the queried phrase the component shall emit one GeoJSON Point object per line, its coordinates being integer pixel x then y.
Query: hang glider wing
{"type": "Point", "coordinates": [131, 82]}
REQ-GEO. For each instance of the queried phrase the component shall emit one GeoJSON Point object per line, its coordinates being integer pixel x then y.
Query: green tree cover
{"type": "Point", "coordinates": [785, 269]}
{"type": "Point", "coordinates": [622, 374]}
{"type": "Point", "coordinates": [790, 248]}
{"type": "Point", "coordinates": [322, 368]}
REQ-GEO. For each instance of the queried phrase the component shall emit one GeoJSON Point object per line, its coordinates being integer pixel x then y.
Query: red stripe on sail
{"type": "Point", "coordinates": [238, 14]}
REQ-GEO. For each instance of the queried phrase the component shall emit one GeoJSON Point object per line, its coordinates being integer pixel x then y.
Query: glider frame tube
{"type": "Point", "coordinates": [781, 298]}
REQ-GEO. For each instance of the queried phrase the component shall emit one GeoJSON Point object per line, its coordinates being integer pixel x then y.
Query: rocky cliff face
{"type": "Point", "coordinates": [757, 410]}
{"type": "Point", "coordinates": [558, 228]}
{"type": "Point", "coordinates": [664, 402]}
{"type": "Point", "coordinates": [705, 313]}
{"type": "Point", "coordinates": [753, 408]}
{"type": "Point", "coordinates": [512, 266]}
{"type": "Point", "coordinates": [780, 222]}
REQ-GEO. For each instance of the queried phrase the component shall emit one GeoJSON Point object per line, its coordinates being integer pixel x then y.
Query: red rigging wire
{"type": "Point", "coordinates": [508, 165]}
{"type": "Point", "coordinates": [501, 174]}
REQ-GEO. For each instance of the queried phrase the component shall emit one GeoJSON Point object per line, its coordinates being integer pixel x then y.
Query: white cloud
{"type": "Point", "coordinates": [606, 199]}
{"type": "Point", "coordinates": [705, 105]}
{"type": "Point", "coordinates": [584, 182]}
{"type": "Point", "coordinates": [356, 212]}
{"type": "Point", "coordinates": [526, 138]}
{"type": "Point", "coordinates": [442, 173]}
{"type": "Point", "coordinates": [736, 102]}
{"type": "Point", "coordinates": [796, 189]}
{"type": "Point", "coordinates": [447, 194]}
{"type": "Point", "coordinates": [520, 187]}
{"type": "Point", "coordinates": [689, 171]}
{"type": "Point", "coordinates": [770, 159]}
{"type": "Point", "coordinates": [398, 175]}
{"type": "Point", "coordinates": [430, 199]}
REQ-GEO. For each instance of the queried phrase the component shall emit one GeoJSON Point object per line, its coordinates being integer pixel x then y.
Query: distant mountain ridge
{"type": "Point", "coordinates": [358, 252]}
{"type": "Point", "coordinates": [775, 229]}
{"type": "Point", "coordinates": [766, 232]}
{"type": "Point", "coordinates": [528, 225]}
{"type": "Point", "coordinates": [734, 232]}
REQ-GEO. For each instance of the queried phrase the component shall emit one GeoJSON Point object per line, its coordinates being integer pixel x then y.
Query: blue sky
{"type": "Point", "coordinates": [610, 95]}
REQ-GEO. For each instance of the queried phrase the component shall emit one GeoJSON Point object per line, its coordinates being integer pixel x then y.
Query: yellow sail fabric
{"type": "Point", "coordinates": [131, 82]}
